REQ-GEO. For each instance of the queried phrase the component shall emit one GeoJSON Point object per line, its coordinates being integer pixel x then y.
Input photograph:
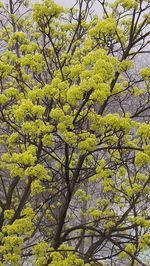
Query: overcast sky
{"type": "Point", "coordinates": [67, 3]}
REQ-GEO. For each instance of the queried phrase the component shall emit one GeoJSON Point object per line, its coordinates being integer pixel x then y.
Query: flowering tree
{"type": "Point", "coordinates": [74, 134]}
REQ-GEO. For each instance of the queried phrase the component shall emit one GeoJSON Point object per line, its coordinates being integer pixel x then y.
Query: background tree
{"type": "Point", "coordinates": [75, 132]}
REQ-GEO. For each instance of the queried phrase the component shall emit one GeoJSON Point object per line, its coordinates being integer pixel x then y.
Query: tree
{"type": "Point", "coordinates": [75, 133]}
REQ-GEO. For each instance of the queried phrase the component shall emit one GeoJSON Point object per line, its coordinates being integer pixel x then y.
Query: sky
{"type": "Point", "coordinates": [67, 3]}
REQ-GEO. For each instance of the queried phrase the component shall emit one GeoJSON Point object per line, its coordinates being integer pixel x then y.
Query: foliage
{"type": "Point", "coordinates": [74, 134]}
